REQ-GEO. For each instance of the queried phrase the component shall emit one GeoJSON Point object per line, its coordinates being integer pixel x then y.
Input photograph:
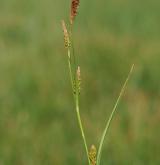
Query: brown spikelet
{"type": "Point", "coordinates": [74, 9]}
{"type": "Point", "coordinates": [92, 155]}
{"type": "Point", "coordinates": [66, 35]}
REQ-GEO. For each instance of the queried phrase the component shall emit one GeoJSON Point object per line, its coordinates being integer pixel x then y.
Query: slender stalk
{"type": "Point", "coordinates": [70, 70]}
{"type": "Point", "coordinates": [72, 47]}
{"type": "Point", "coordinates": [111, 116]}
{"type": "Point", "coordinates": [76, 99]}
{"type": "Point", "coordinates": [80, 125]}
{"type": "Point", "coordinates": [75, 79]}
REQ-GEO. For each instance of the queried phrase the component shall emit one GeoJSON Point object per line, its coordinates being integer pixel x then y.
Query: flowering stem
{"type": "Point", "coordinates": [76, 99]}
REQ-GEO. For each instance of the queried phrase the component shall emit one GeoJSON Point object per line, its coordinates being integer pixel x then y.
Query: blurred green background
{"type": "Point", "coordinates": [38, 123]}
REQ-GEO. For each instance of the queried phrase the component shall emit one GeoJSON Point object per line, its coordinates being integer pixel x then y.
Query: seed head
{"type": "Point", "coordinates": [66, 35]}
{"type": "Point", "coordinates": [74, 9]}
{"type": "Point", "coordinates": [92, 155]}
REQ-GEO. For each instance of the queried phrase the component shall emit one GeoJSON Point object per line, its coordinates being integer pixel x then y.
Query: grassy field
{"type": "Point", "coordinates": [37, 116]}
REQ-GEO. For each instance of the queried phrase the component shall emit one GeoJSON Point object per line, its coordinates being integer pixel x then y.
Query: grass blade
{"type": "Point", "coordinates": [111, 116]}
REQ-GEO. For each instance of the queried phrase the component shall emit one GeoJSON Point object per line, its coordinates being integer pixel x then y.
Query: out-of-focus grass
{"type": "Point", "coordinates": [37, 119]}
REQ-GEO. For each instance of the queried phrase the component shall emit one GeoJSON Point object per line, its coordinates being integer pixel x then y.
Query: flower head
{"type": "Point", "coordinates": [66, 35]}
{"type": "Point", "coordinates": [74, 8]}
{"type": "Point", "coordinates": [92, 155]}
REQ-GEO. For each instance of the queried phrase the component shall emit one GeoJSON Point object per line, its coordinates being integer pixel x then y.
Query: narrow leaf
{"type": "Point", "coordinates": [111, 116]}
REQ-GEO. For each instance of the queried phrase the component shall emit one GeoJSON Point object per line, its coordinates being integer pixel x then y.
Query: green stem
{"type": "Point", "coordinates": [76, 98]}
{"type": "Point", "coordinates": [111, 116]}
{"type": "Point", "coordinates": [80, 125]}
{"type": "Point", "coordinates": [72, 48]}
{"type": "Point", "coordinates": [70, 70]}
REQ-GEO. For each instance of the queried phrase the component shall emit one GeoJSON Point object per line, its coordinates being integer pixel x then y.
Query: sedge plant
{"type": "Point", "coordinates": [93, 155]}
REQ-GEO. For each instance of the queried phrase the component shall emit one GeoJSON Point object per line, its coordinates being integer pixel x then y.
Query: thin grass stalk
{"type": "Point", "coordinates": [74, 79]}
{"type": "Point", "coordinates": [75, 89]}
{"type": "Point", "coordinates": [72, 47]}
{"type": "Point", "coordinates": [111, 116]}
{"type": "Point", "coordinates": [81, 126]}
{"type": "Point", "coordinates": [70, 70]}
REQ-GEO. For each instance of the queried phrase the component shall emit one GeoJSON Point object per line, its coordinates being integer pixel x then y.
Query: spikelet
{"type": "Point", "coordinates": [92, 155]}
{"type": "Point", "coordinates": [74, 9]}
{"type": "Point", "coordinates": [66, 35]}
{"type": "Point", "coordinates": [78, 79]}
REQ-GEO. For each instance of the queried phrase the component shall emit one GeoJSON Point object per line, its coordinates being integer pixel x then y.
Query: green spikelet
{"type": "Point", "coordinates": [92, 155]}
